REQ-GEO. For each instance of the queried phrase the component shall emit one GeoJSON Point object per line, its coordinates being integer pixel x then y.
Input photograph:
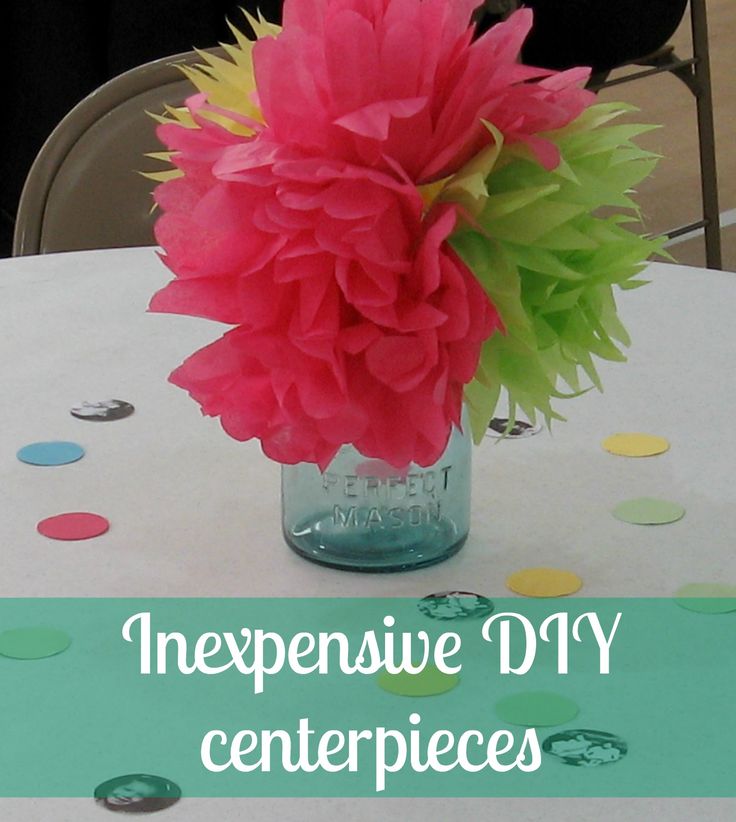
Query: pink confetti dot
{"type": "Point", "coordinates": [72, 526]}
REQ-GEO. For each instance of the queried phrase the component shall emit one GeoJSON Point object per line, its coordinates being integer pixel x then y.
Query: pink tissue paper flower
{"type": "Point", "coordinates": [375, 80]}
{"type": "Point", "coordinates": [355, 320]}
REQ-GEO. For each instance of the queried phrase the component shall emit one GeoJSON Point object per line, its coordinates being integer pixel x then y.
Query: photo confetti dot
{"type": "Point", "coordinates": [544, 582]}
{"type": "Point", "coordinates": [102, 411]}
{"type": "Point", "coordinates": [707, 597]}
{"type": "Point", "coordinates": [33, 643]}
{"type": "Point", "coordinates": [536, 709]}
{"type": "Point", "coordinates": [519, 430]}
{"type": "Point", "coordinates": [583, 748]}
{"type": "Point", "coordinates": [636, 445]}
{"type": "Point", "coordinates": [446, 605]}
{"type": "Point", "coordinates": [73, 526]}
{"type": "Point", "coordinates": [137, 793]}
{"type": "Point", "coordinates": [430, 682]}
{"type": "Point", "coordinates": [50, 453]}
{"type": "Point", "coordinates": [648, 511]}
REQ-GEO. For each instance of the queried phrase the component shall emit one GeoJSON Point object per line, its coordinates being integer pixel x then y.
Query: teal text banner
{"type": "Point", "coordinates": [231, 697]}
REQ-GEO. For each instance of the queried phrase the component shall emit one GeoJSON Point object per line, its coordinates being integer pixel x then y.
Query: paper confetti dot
{"type": "Point", "coordinates": [584, 748]}
{"type": "Point", "coordinates": [102, 411]}
{"type": "Point", "coordinates": [50, 453]}
{"type": "Point", "coordinates": [33, 643]}
{"type": "Point", "coordinates": [73, 526]}
{"type": "Point", "coordinates": [137, 793]}
{"type": "Point", "coordinates": [536, 709]}
{"type": "Point", "coordinates": [636, 445]}
{"type": "Point", "coordinates": [446, 605]}
{"type": "Point", "coordinates": [544, 582]}
{"type": "Point", "coordinates": [707, 597]}
{"type": "Point", "coordinates": [519, 430]}
{"type": "Point", "coordinates": [430, 682]}
{"type": "Point", "coordinates": [648, 511]}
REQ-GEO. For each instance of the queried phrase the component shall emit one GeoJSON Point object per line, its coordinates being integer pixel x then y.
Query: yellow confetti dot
{"type": "Point", "coordinates": [544, 582]}
{"type": "Point", "coordinates": [636, 445]}
{"type": "Point", "coordinates": [430, 682]}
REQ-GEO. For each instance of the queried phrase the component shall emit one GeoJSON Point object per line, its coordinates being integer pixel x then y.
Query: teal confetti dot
{"type": "Point", "coordinates": [50, 453]}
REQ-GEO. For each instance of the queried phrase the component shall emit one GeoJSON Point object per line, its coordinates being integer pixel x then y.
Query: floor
{"type": "Point", "coordinates": [671, 197]}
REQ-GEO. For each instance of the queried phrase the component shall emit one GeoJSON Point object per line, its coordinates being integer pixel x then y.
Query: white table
{"type": "Point", "coordinates": [194, 513]}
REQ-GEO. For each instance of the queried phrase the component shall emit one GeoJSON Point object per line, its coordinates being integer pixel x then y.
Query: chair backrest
{"type": "Point", "coordinates": [83, 190]}
{"type": "Point", "coordinates": [602, 34]}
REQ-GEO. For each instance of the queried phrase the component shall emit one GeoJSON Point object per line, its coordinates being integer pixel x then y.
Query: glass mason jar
{"type": "Point", "coordinates": [364, 515]}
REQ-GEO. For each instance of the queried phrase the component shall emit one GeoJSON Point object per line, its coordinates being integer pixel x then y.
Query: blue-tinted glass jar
{"type": "Point", "coordinates": [364, 515]}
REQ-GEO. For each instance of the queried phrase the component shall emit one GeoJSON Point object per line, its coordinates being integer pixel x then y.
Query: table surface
{"type": "Point", "coordinates": [195, 514]}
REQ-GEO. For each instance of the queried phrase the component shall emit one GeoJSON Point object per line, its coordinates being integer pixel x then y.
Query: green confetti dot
{"type": "Point", "coordinates": [536, 709]}
{"type": "Point", "coordinates": [648, 511]}
{"type": "Point", "coordinates": [707, 597]}
{"type": "Point", "coordinates": [33, 643]}
{"type": "Point", "coordinates": [430, 682]}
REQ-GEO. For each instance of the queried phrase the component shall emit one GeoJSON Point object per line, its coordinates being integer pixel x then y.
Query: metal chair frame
{"type": "Point", "coordinates": [694, 72]}
{"type": "Point", "coordinates": [159, 82]}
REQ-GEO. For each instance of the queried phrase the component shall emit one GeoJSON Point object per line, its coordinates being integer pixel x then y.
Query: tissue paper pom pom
{"type": "Point", "coordinates": [270, 237]}
{"type": "Point", "coordinates": [357, 322]}
{"type": "Point", "coordinates": [401, 80]}
{"type": "Point", "coordinates": [394, 396]}
{"type": "Point", "coordinates": [262, 385]}
{"type": "Point", "coordinates": [553, 260]}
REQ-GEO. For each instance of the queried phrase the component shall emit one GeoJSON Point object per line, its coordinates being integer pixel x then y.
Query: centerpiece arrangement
{"type": "Point", "coordinates": [399, 221]}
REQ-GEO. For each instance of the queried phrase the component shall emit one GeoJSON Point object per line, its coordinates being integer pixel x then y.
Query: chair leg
{"type": "Point", "coordinates": [706, 135]}
{"type": "Point", "coordinates": [597, 80]}
{"type": "Point", "coordinates": [695, 74]}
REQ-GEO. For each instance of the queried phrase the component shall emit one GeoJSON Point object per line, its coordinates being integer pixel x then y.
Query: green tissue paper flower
{"type": "Point", "coordinates": [549, 247]}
